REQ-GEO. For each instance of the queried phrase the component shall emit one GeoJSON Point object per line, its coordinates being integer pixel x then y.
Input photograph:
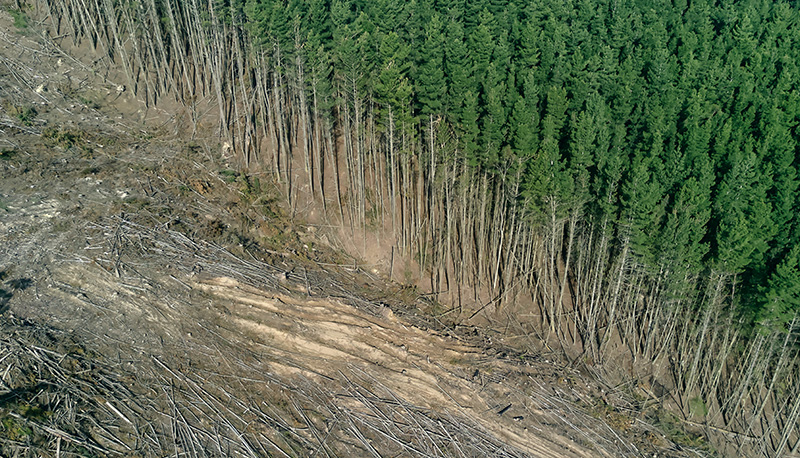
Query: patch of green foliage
{"type": "Point", "coordinates": [20, 19]}
{"type": "Point", "coordinates": [18, 418]}
{"type": "Point", "coordinates": [24, 113]}
{"type": "Point", "coordinates": [249, 187]}
{"type": "Point", "coordinates": [88, 102]}
{"type": "Point", "coordinates": [697, 407]}
{"type": "Point", "coordinates": [675, 431]}
{"type": "Point", "coordinates": [65, 138]}
{"type": "Point", "coordinates": [34, 412]}
{"type": "Point", "coordinates": [7, 153]}
{"type": "Point", "coordinates": [14, 429]}
{"type": "Point", "coordinates": [228, 175]}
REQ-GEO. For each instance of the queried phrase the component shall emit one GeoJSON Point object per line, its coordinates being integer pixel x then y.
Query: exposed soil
{"type": "Point", "coordinates": [154, 302]}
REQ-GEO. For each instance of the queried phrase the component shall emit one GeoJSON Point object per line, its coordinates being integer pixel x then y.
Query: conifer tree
{"type": "Point", "coordinates": [431, 88]}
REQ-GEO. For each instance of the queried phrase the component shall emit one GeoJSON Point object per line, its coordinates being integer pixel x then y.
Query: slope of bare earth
{"type": "Point", "coordinates": [154, 303]}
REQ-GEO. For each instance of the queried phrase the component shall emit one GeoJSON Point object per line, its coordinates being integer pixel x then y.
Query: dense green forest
{"type": "Point", "coordinates": [628, 169]}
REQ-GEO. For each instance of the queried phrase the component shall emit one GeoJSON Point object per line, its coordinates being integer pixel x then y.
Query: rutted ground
{"type": "Point", "coordinates": [155, 303]}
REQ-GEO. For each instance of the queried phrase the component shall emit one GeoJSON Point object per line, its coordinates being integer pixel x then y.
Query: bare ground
{"type": "Point", "coordinates": [154, 303]}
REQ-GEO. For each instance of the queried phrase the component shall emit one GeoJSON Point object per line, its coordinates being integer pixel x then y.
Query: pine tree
{"type": "Point", "coordinates": [494, 123]}
{"type": "Point", "coordinates": [431, 87]}
{"type": "Point", "coordinates": [643, 203]}
{"type": "Point", "coordinates": [459, 77]}
{"type": "Point", "coordinates": [525, 118]}
{"type": "Point", "coordinates": [743, 213]}
{"type": "Point", "coordinates": [392, 87]}
{"type": "Point", "coordinates": [546, 183]}
{"type": "Point", "coordinates": [782, 295]}
{"type": "Point", "coordinates": [480, 45]}
{"type": "Point", "coordinates": [778, 148]}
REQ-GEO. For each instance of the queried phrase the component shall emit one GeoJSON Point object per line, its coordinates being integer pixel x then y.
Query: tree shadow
{"type": "Point", "coordinates": [17, 284]}
{"type": "Point", "coordinates": [5, 296]}
{"type": "Point", "coordinates": [20, 284]}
